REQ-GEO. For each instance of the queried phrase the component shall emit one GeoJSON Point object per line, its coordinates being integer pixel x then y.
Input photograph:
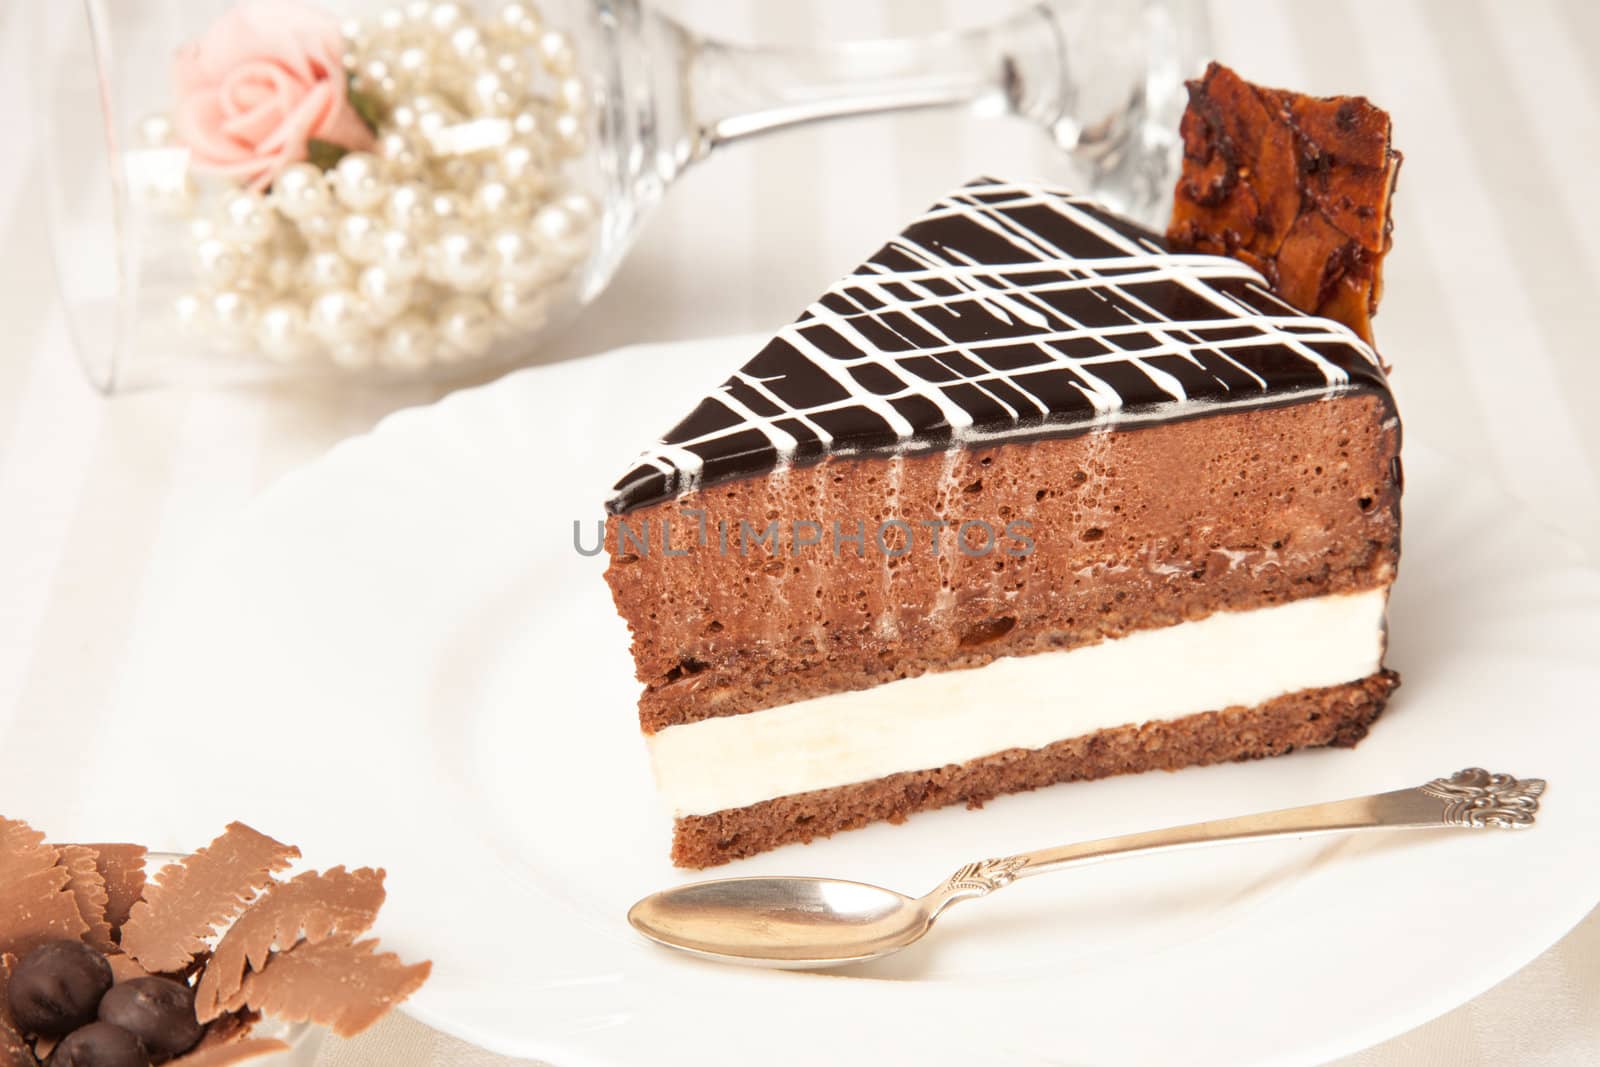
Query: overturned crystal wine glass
{"type": "Point", "coordinates": [421, 190]}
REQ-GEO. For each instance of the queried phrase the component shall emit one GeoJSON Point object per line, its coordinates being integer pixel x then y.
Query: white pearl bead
{"type": "Point", "coordinates": [525, 124]}
{"type": "Point", "coordinates": [300, 191]}
{"type": "Point", "coordinates": [520, 21]}
{"type": "Point", "coordinates": [412, 65]}
{"type": "Point", "coordinates": [234, 313]}
{"type": "Point", "coordinates": [247, 219]}
{"type": "Point", "coordinates": [446, 17]}
{"type": "Point", "coordinates": [319, 229]}
{"type": "Point", "coordinates": [358, 180]}
{"type": "Point", "coordinates": [466, 328]}
{"type": "Point", "coordinates": [516, 257]}
{"type": "Point", "coordinates": [399, 254]}
{"type": "Point", "coordinates": [494, 201]}
{"type": "Point", "coordinates": [488, 95]}
{"type": "Point", "coordinates": [386, 296]}
{"type": "Point", "coordinates": [358, 237]}
{"type": "Point", "coordinates": [337, 315]}
{"type": "Point", "coordinates": [391, 20]}
{"type": "Point", "coordinates": [400, 157]}
{"type": "Point", "coordinates": [407, 343]}
{"type": "Point", "coordinates": [523, 164]}
{"type": "Point", "coordinates": [281, 331]}
{"type": "Point", "coordinates": [447, 207]}
{"type": "Point", "coordinates": [580, 207]}
{"type": "Point", "coordinates": [573, 95]}
{"type": "Point", "coordinates": [569, 135]}
{"type": "Point", "coordinates": [559, 234]}
{"type": "Point", "coordinates": [155, 131]}
{"type": "Point", "coordinates": [409, 207]}
{"type": "Point", "coordinates": [468, 45]}
{"type": "Point", "coordinates": [514, 72]}
{"type": "Point", "coordinates": [555, 52]}
{"type": "Point", "coordinates": [191, 314]}
{"type": "Point", "coordinates": [404, 116]}
{"type": "Point", "coordinates": [217, 263]}
{"type": "Point", "coordinates": [463, 262]}
{"type": "Point", "coordinates": [201, 228]}
{"type": "Point", "coordinates": [431, 123]}
{"type": "Point", "coordinates": [417, 11]}
{"type": "Point", "coordinates": [520, 306]}
{"type": "Point", "coordinates": [376, 71]}
{"type": "Point", "coordinates": [327, 270]}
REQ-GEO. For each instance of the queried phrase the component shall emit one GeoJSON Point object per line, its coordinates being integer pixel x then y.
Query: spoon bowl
{"type": "Point", "coordinates": [789, 923]}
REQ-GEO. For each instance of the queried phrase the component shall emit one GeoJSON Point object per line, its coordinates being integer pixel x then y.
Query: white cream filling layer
{"type": "Point", "coordinates": [1230, 658]}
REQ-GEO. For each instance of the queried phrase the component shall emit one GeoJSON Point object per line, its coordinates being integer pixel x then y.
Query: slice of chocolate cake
{"type": "Point", "coordinates": [1026, 498]}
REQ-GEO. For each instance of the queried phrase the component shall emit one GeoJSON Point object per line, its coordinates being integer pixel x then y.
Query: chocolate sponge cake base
{"type": "Point", "coordinates": [1312, 718]}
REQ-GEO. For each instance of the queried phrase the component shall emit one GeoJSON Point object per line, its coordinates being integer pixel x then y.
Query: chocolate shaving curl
{"type": "Point", "coordinates": [342, 985]}
{"type": "Point", "coordinates": [313, 906]}
{"type": "Point", "coordinates": [88, 888]}
{"type": "Point", "coordinates": [121, 867]}
{"type": "Point", "coordinates": [190, 900]}
{"type": "Point", "coordinates": [35, 904]}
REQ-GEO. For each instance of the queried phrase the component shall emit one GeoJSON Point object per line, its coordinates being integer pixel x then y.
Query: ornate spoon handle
{"type": "Point", "coordinates": [1472, 798]}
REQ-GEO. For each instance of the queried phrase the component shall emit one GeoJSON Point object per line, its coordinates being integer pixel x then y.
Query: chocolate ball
{"type": "Point", "coordinates": [57, 988]}
{"type": "Point", "coordinates": [158, 1011]}
{"type": "Point", "coordinates": [99, 1045]}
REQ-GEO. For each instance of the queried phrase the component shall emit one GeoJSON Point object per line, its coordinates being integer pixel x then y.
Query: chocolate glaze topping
{"type": "Point", "coordinates": [1006, 312]}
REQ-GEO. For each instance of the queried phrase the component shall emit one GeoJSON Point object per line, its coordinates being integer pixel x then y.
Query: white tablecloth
{"type": "Point", "coordinates": [1489, 320]}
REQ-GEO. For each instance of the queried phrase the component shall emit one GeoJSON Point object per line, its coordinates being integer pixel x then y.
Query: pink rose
{"type": "Point", "coordinates": [266, 77]}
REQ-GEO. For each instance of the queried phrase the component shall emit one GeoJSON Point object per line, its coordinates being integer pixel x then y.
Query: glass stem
{"type": "Point", "coordinates": [734, 92]}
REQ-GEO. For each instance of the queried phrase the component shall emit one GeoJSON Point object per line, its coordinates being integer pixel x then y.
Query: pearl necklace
{"type": "Point", "coordinates": [452, 235]}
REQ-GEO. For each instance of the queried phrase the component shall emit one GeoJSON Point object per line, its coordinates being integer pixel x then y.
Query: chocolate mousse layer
{"type": "Point", "coordinates": [1109, 533]}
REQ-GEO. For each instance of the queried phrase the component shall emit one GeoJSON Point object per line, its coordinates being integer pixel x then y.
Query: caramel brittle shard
{"type": "Point", "coordinates": [313, 906]}
{"type": "Point", "coordinates": [189, 900]}
{"type": "Point", "coordinates": [341, 985]}
{"type": "Point", "coordinates": [14, 1051]}
{"type": "Point", "coordinates": [35, 903]}
{"type": "Point", "coordinates": [88, 888]}
{"type": "Point", "coordinates": [122, 869]}
{"type": "Point", "coordinates": [1298, 187]}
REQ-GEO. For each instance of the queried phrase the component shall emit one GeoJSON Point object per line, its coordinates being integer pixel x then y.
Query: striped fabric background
{"type": "Point", "coordinates": [1490, 320]}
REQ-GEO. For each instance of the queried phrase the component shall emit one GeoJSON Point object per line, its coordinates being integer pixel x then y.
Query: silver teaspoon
{"type": "Point", "coordinates": [799, 923]}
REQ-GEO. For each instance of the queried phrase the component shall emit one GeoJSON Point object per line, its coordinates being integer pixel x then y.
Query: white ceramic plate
{"type": "Point", "coordinates": [407, 663]}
